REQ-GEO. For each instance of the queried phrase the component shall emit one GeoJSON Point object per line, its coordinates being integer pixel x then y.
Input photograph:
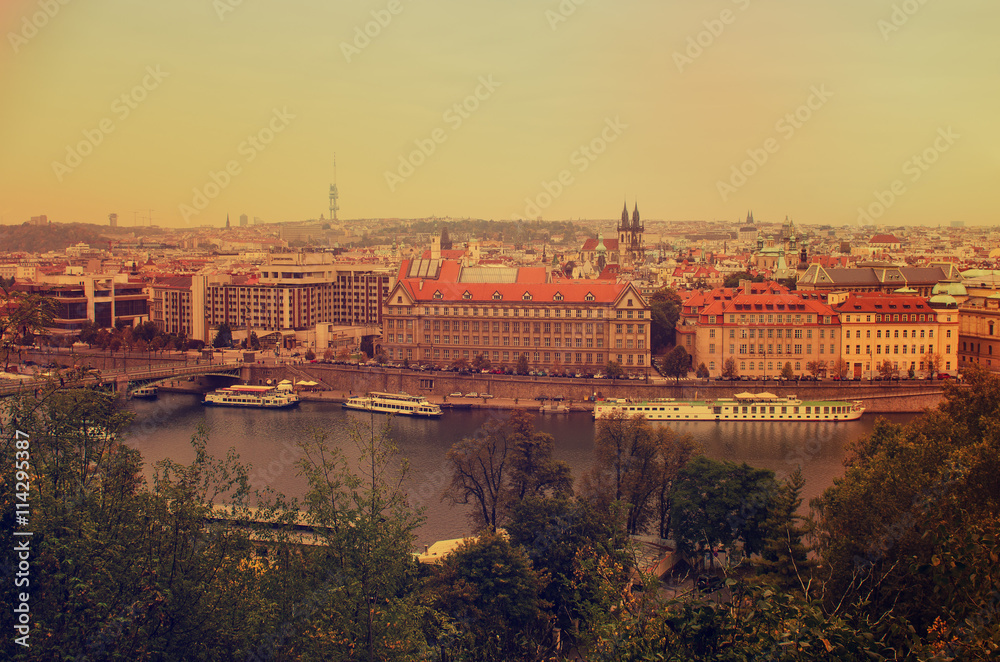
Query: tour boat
{"type": "Point", "coordinates": [262, 397]}
{"type": "Point", "coordinates": [145, 392]}
{"type": "Point", "coordinates": [394, 403]}
{"type": "Point", "coordinates": [741, 407]}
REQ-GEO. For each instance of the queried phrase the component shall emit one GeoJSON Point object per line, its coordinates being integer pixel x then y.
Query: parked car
{"type": "Point", "coordinates": [486, 395]}
{"type": "Point", "coordinates": [456, 394]}
{"type": "Point", "coordinates": [472, 394]}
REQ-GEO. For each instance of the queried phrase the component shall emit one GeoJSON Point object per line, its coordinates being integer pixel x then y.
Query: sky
{"type": "Point", "coordinates": [180, 113]}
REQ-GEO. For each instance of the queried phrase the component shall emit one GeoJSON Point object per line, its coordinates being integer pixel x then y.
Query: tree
{"type": "Point", "coordinates": [505, 462]}
{"type": "Point", "coordinates": [702, 371]}
{"type": "Point", "coordinates": [916, 517]}
{"type": "Point", "coordinates": [613, 370]}
{"type": "Point", "coordinates": [634, 465]}
{"type": "Point", "coordinates": [460, 365]}
{"type": "Point", "coordinates": [664, 310]}
{"type": "Point", "coordinates": [363, 573]}
{"type": "Point", "coordinates": [491, 593]}
{"type": "Point", "coordinates": [729, 368]}
{"type": "Point", "coordinates": [840, 367]}
{"type": "Point", "coordinates": [816, 368]}
{"type": "Point", "coordinates": [480, 362]}
{"type": "Point", "coordinates": [310, 355]}
{"type": "Point", "coordinates": [787, 371]}
{"type": "Point", "coordinates": [887, 370]}
{"type": "Point", "coordinates": [328, 353]}
{"type": "Point", "coordinates": [677, 363]}
{"type": "Point", "coordinates": [720, 504]}
{"type": "Point", "coordinates": [784, 558]}
{"type": "Point", "coordinates": [254, 341]}
{"type": "Point", "coordinates": [933, 362]}
{"type": "Point", "coordinates": [24, 314]}
{"type": "Point", "coordinates": [223, 336]}
{"type": "Point", "coordinates": [733, 280]}
{"type": "Point", "coordinates": [522, 364]}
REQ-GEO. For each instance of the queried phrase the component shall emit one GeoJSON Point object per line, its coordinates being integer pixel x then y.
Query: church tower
{"type": "Point", "coordinates": [624, 227]}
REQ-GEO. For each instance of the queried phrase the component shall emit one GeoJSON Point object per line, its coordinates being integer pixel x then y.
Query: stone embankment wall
{"type": "Point", "coordinates": [878, 398]}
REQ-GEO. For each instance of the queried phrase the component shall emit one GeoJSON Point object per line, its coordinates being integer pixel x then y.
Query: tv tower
{"type": "Point", "coordinates": [334, 196]}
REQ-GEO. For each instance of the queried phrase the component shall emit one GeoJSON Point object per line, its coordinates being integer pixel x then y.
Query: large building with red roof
{"type": "Point", "coordinates": [443, 311]}
{"type": "Point", "coordinates": [756, 331]}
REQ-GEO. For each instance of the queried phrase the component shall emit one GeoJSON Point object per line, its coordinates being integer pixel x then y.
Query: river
{"type": "Point", "coordinates": [267, 440]}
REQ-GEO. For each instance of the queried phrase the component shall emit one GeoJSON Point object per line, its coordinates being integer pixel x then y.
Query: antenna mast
{"type": "Point", "coordinates": [334, 195]}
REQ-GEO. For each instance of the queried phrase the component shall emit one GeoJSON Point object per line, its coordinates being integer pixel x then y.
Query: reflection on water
{"type": "Point", "coordinates": [266, 440]}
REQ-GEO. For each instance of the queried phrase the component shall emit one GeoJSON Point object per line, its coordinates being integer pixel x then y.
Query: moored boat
{"type": "Point", "coordinates": [741, 407]}
{"type": "Point", "coordinates": [261, 397]}
{"type": "Point", "coordinates": [145, 392]}
{"type": "Point", "coordinates": [394, 403]}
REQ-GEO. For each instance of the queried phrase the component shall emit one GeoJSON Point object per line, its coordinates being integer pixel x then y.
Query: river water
{"type": "Point", "coordinates": [267, 440]}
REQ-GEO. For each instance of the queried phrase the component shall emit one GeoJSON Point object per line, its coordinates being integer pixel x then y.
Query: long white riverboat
{"type": "Point", "coordinates": [394, 403]}
{"type": "Point", "coordinates": [260, 397]}
{"type": "Point", "coordinates": [741, 407]}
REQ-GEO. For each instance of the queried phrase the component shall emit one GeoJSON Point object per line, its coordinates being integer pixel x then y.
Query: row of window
{"type": "Point", "coordinates": [878, 333]}
{"type": "Point", "coordinates": [475, 311]}
{"type": "Point", "coordinates": [515, 327]}
{"type": "Point", "coordinates": [895, 349]}
{"type": "Point", "coordinates": [580, 358]}
{"type": "Point", "coordinates": [774, 349]}
{"type": "Point", "coordinates": [557, 341]}
{"type": "Point", "coordinates": [771, 319]}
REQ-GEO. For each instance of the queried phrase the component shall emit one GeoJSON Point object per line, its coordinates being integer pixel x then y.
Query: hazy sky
{"type": "Point", "coordinates": [698, 109]}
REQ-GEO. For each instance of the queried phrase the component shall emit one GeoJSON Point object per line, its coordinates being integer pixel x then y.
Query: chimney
{"type": "Point", "coordinates": [420, 285]}
{"type": "Point", "coordinates": [745, 286]}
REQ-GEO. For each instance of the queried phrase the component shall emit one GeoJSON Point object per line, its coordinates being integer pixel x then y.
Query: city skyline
{"type": "Point", "coordinates": [838, 115]}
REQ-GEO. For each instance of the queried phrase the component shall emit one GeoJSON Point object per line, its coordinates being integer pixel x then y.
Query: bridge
{"type": "Point", "coordinates": [125, 382]}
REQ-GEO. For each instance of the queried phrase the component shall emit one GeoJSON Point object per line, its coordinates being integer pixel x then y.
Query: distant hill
{"type": "Point", "coordinates": [54, 237]}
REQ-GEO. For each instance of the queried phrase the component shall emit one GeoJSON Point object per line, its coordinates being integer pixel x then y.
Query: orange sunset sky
{"type": "Point", "coordinates": [698, 109]}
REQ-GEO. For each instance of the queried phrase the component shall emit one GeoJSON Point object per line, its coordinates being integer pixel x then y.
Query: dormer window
{"type": "Point", "coordinates": [558, 296]}
{"type": "Point", "coordinates": [497, 296]}
{"type": "Point", "coordinates": [467, 294]}
{"type": "Point", "coordinates": [438, 295]}
{"type": "Point", "coordinates": [590, 296]}
{"type": "Point", "coordinates": [526, 296]}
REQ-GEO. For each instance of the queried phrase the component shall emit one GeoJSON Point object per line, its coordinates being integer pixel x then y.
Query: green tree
{"type": "Point", "coordinates": [223, 336]}
{"type": "Point", "coordinates": [784, 557]}
{"type": "Point", "coordinates": [887, 370]}
{"type": "Point", "coordinates": [702, 371]}
{"type": "Point", "coordinates": [310, 355]}
{"type": "Point", "coordinates": [522, 364]}
{"type": "Point", "coordinates": [720, 504]}
{"type": "Point", "coordinates": [613, 370]}
{"type": "Point", "coordinates": [491, 594]}
{"type": "Point", "coordinates": [480, 362]}
{"type": "Point", "coordinates": [254, 341]}
{"type": "Point", "coordinates": [787, 372]}
{"type": "Point", "coordinates": [665, 310]}
{"type": "Point", "coordinates": [677, 363]}
{"type": "Point", "coordinates": [363, 574]}
{"type": "Point", "coordinates": [733, 280]}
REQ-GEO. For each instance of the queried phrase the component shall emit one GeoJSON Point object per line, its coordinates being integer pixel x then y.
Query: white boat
{"type": "Point", "coordinates": [741, 407]}
{"type": "Point", "coordinates": [145, 392]}
{"type": "Point", "coordinates": [394, 403]}
{"type": "Point", "coordinates": [262, 397]}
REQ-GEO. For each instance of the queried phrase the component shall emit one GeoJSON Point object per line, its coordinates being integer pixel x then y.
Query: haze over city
{"type": "Point", "coordinates": [195, 109]}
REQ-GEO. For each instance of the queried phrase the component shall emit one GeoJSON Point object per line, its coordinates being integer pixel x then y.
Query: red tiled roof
{"type": "Point", "coordinates": [877, 302]}
{"type": "Point", "coordinates": [767, 303]}
{"type": "Point", "coordinates": [883, 239]}
{"type": "Point", "coordinates": [591, 244]}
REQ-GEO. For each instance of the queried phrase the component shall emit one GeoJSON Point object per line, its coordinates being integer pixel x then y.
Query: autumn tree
{"type": "Point", "coordinates": [816, 368]}
{"type": "Point", "coordinates": [932, 363]}
{"type": "Point", "coordinates": [729, 368]}
{"type": "Point", "coordinates": [702, 372]}
{"type": "Point", "coordinates": [787, 372]}
{"type": "Point", "coordinates": [677, 363]}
